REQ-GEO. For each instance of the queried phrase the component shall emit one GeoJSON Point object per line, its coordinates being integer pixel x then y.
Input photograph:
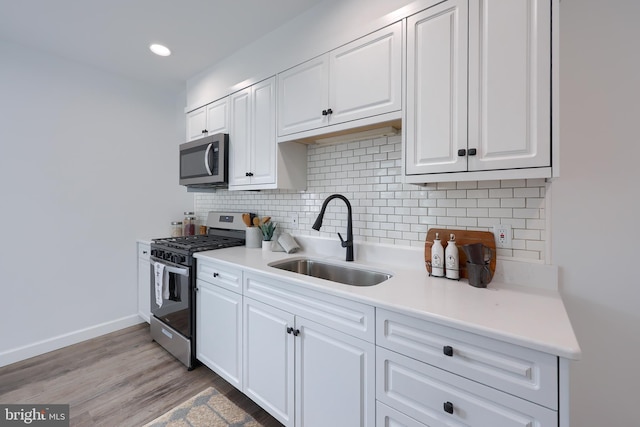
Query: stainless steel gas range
{"type": "Point", "coordinates": [173, 279]}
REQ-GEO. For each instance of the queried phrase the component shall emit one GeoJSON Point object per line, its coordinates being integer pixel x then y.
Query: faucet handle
{"type": "Point", "coordinates": [344, 243]}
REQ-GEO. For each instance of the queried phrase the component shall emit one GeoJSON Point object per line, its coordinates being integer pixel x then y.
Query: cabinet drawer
{"type": "Point", "coordinates": [350, 317]}
{"type": "Point", "coordinates": [520, 371]}
{"type": "Point", "coordinates": [226, 277]}
{"type": "Point", "coordinates": [436, 397]}
{"type": "Point", "coordinates": [389, 417]}
{"type": "Point", "coordinates": [143, 251]}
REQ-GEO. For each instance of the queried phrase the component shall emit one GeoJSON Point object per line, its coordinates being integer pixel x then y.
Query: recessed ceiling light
{"type": "Point", "coordinates": [158, 49]}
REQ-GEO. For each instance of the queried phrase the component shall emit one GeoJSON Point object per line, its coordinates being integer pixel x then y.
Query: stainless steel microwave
{"type": "Point", "coordinates": [204, 162]}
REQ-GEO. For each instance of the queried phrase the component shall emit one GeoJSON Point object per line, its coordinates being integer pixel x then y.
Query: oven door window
{"type": "Point", "coordinates": [176, 308]}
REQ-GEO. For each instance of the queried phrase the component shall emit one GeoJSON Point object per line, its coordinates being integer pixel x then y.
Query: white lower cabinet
{"type": "Point", "coordinates": [440, 376]}
{"type": "Point", "coordinates": [301, 371]}
{"type": "Point", "coordinates": [144, 281]}
{"type": "Point", "coordinates": [335, 373]}
{"type": "Point", "coordinates": [219, 321]}
{"type": "Point", "coordinates": [313, 359]}
{"type": "Point", "coordinates": [269, 359]}
{"type": "Point", "coordinates": [389, 417]}
{"type": "Point", "coordinates": [218, 331]}
{"type": "Point", "coordinates": [439, 398]}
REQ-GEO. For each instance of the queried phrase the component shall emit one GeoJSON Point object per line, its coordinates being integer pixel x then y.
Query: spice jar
{"type": "Point", "coordinates": [189, 224]}
{"type": "Point", "coordinates": [176, 229]}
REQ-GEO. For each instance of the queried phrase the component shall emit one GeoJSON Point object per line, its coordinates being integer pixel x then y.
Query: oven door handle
{"type": "Point", "coordinates": [172, 269]}
{"type": "Point", "coordinates": [206, 160]}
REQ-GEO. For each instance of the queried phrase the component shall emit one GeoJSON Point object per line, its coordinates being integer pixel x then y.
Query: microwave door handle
{"type": "Point", "coordinates": [206, 159]}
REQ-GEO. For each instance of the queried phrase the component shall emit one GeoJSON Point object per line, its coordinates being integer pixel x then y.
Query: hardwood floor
{"type": "Point", "coordinates": [119, 379]}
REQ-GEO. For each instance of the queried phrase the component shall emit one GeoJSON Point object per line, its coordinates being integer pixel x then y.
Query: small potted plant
{"type": "Point", "coordinates": [268, 228]}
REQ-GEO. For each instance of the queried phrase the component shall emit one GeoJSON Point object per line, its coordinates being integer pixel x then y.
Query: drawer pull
{"type": "Point", "coordinates": [448, 407]}
{"type": "Point", "coordinates": [215, 274]}
{"type": "Point", "coordinates": [447, 350]}
{"type": "Point", "coordinates": [289, 330]}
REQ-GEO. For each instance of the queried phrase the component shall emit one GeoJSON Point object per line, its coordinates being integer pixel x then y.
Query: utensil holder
{"type": "Point", "coordinates": [253, 237]}
{"type": "Point", "coordinates": [479, 274]}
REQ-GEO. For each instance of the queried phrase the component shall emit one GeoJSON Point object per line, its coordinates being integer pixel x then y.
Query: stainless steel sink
{"type": "Point", "coordinates": [335, 273]}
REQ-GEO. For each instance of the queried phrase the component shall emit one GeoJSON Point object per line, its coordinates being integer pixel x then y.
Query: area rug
{"type": "Point", "coordinates": [208, 408]}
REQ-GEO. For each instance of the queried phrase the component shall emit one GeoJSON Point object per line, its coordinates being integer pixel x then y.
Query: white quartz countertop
{"type": "Point", "coordinates": [531, 316]}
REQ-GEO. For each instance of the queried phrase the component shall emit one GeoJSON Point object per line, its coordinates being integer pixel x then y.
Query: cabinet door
{"type": "Point", "coordinates": [240, 137]}
{"type": "Point", "coordinates": [219, 331]}
{"type": "Point", "coordinates": [436, 112]}
{"type": "Point", "coordinates": [144, 282]}
{"type": "Point", "coordinates": [263, 144]}
{"type": "Point", "coordinates": [196, 124]}
{"type": "Point", "coordinates": [509, 84]}
{"type": "Point", "coordinates": [366, 77]}
{"type": "Point", "coordinates": [335, 378]}
{"type": "Point", "coordinates": [218, 117]}
{"type": "Point", "coordinates": [303, 93]}
{"type": "Point", "coordinates": [269, 359]}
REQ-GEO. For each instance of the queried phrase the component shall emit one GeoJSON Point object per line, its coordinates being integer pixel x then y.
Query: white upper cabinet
{"type": "Point", "coordinates": [240, 138]}
{"type": "Point", "coordinates": [256, 160]}
{"type": "Point", "coordinates": [509, 84]}
{"type": "Point", "coordinates": [436, 121]}
{"type": "Point", "coordinates": [253, 135]}
{"type": "Point", "coordinates": [263, 148]}
{"type": "Point", "coordinates": [208, 120]}
{"type": "Point", "coordinates": [497, 115]}
{"type": "Point", "coordinates": [366, 77]}
{"type": "Point", "coordinates": [303, 93]}
{"type": "Point", "coordinates": [356, 81]}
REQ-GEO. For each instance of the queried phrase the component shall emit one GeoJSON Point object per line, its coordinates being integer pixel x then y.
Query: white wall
{"type": "Point", "coordinates": [322, 28]}
{"type": "Point", "coordinates": [595, 209]}
{"type": "Point", "coordinates": [88, 164]}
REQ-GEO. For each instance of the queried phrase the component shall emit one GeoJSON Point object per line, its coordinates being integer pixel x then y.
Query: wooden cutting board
{"type": "Point", "coordinates": [463, 237]}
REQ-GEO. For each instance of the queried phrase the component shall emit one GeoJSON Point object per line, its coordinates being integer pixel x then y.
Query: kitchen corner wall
{"type": "Point", "coordinates": [385, 210]}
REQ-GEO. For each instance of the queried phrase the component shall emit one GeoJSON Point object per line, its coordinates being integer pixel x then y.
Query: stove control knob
{"type": "Point", "coordinates": [178, 259]}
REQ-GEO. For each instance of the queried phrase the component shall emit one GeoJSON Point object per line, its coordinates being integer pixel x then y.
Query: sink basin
{"type": "Point", "coordinates": [333, 272]}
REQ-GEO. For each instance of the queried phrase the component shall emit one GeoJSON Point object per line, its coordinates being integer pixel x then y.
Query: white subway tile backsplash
{"type": "Point", "coordinates": [512, 203]}
{"type": "Point", "coordinates": [512, 183]}
{"type": "Point", "coordinates": [500, 193]}
{"type": "Point", "coordinates": [488, 203]}
{"type": "Point", "coordinates": [478, 194]}
{"type": "Point", "coordinates": [385, 210]}
{"type": "Point", "coordinates": [466, 203]}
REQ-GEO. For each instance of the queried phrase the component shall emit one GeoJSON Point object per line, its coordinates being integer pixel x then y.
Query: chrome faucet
{"type": "Point", "coordinates": [345, 243]}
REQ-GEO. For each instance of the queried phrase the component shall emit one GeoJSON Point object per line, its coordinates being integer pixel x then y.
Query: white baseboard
{"type": "Point", "coordinates": [21, 353]}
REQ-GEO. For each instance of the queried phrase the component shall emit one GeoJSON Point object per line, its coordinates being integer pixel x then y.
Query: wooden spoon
{"type": "Point", "coordinates": [246, 218]}
{"type": "Point", "coordinates": [256, 221]}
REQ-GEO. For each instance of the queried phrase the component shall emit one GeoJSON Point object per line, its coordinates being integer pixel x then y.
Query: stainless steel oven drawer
{"type": "Point", "coordinates": [174, 342]}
